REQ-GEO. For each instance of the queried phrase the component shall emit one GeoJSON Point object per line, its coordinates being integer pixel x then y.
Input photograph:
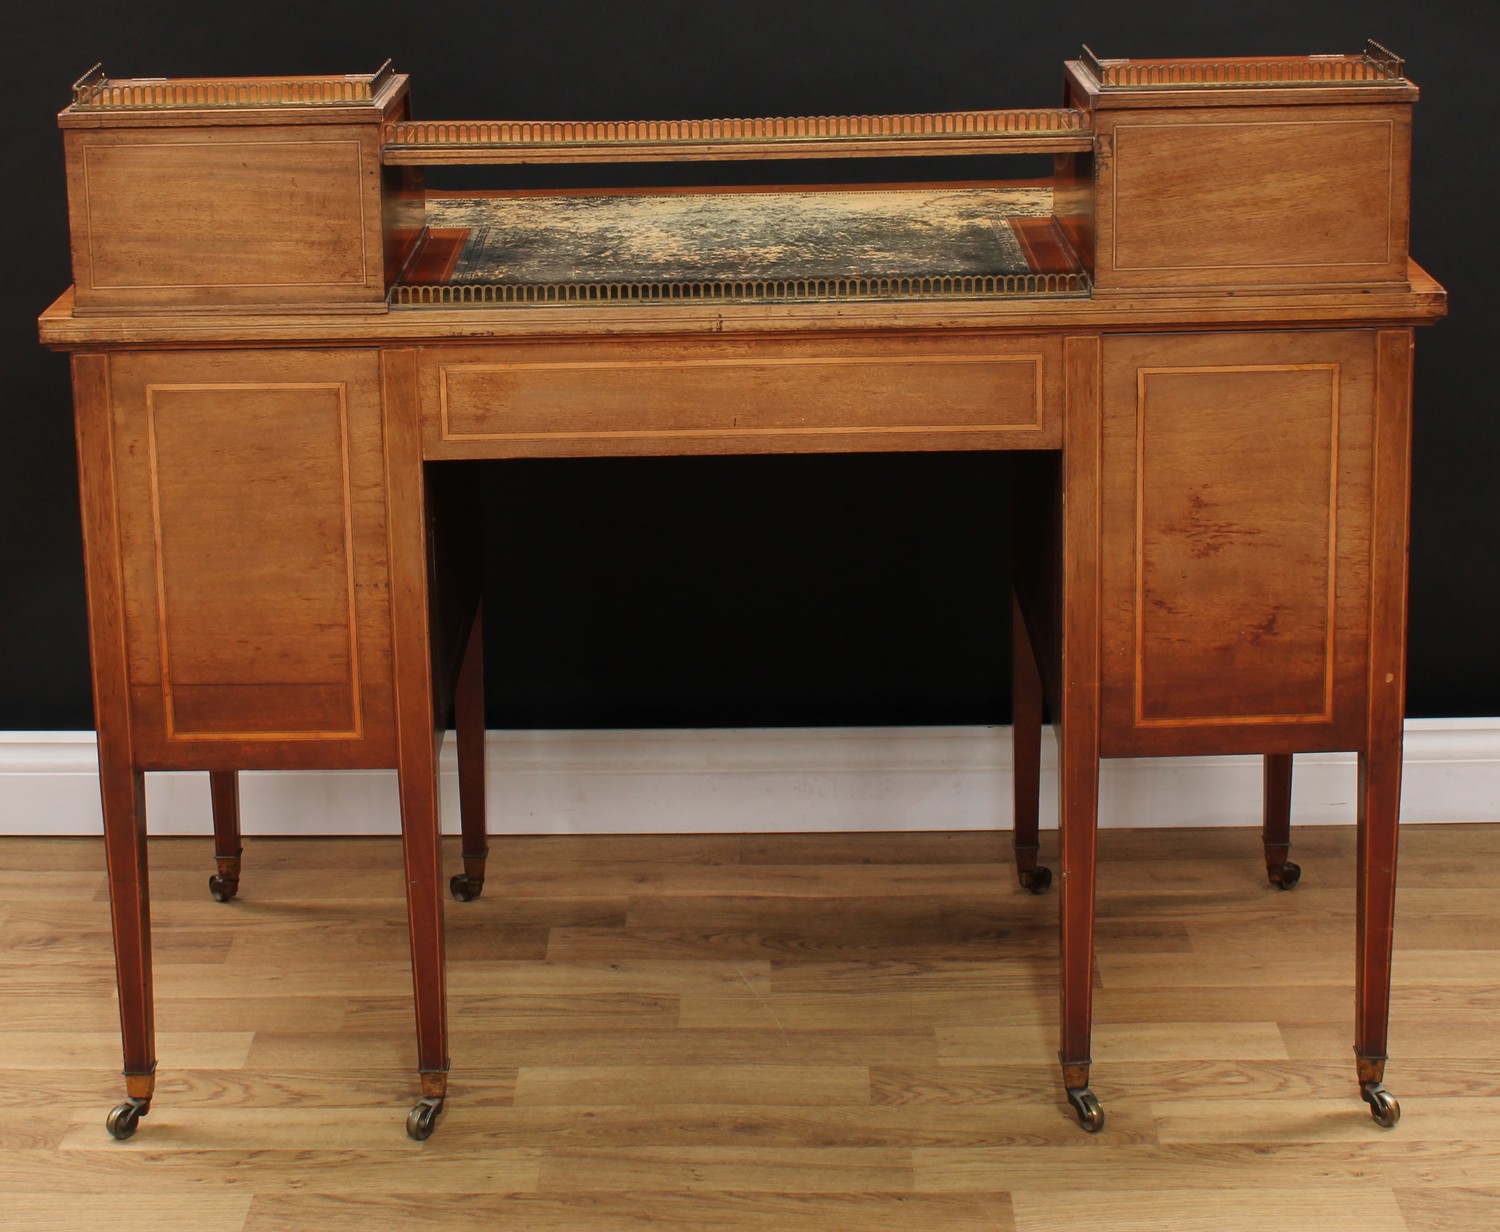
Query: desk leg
{"type": "Point", "coordinates": [1379, 804]}
{"type": "Point", "coordinates": [1078, 722]}
{"type": "Point", "coordinates": [1276, 823]}
{"type": "Point", "coordinates": [122, 788]}
{"type": "Point", "coordinates": [1026, 760]}
{"type": "Point", "coordinates": [422, 853]}
{"type": "Point", "coordinates": [1077, 828]}
{"type": "Point", "coordinates": [1380, 760]}
{"type": "Point", "coordinates": [416, 734]}
{"type": "Point", "coordinates": [122, 792]}
{"type": "Point", "coordinates": [469, 719]}
{"type": "Point", "coordinates": [224, 788]}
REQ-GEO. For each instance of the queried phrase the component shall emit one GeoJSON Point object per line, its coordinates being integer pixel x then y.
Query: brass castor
{"type": "Point", "coordinates": [223, 888]}
{"type": "Point", "coordinates": [422, 1119]}
{"type": "Point", "coordinates": [1038, 880]}
{"type": "Point", "coordinates": [123, 1119]}
{"type": "Point", "coordinates": [465, 888]}
{"type": "Point", "coordinates": [1383, 1106]}
{"type": "Point", "coordinates": [1284, 876]}
{"type": "Point", "coordinates": [1086, 1105]}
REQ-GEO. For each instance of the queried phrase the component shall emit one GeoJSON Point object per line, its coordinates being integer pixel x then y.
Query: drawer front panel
{"type": "Point", "coordinates": [850, 395]}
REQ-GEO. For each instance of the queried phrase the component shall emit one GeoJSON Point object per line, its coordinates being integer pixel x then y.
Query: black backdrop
{"type": "Point", "coordinates": [748, 591]}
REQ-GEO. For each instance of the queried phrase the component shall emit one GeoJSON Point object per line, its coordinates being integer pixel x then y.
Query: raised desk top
{"type": "Point", "coordinates": [1182, 191]}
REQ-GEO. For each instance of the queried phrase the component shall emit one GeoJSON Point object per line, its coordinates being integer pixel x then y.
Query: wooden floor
{"type": "Point", "coordinates": [811, 1032]}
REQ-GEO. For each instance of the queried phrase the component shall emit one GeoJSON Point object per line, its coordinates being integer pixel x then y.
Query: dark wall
{"type": "Point", "coordinates": [838, 590]}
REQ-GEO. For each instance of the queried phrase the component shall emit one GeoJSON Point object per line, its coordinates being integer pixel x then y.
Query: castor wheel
{"type": "Point", "coordinates": [465, 888]}
{"type": "Point", "coordinates": [1284, 876]}
{"type": "Point", "coordinates": [223, 888]}
{"type": "Point", "coordinates": [422, 1119]}
{"type": "Point", "coordinates": [1038, 880]}
{"type": "Point", "coordinates": [1086, 1105]}
{"type": "Point", "coordinates": [123, 1119]}
{"type": "Point", "coordinates": [1383, 1106]}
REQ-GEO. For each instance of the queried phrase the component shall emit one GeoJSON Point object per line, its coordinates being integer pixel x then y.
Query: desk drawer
{"type": "Point", "coordinates": [805, 395]}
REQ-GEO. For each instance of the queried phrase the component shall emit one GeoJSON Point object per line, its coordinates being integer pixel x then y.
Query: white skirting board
{"type": "Point", "coordinates": [755, 780]}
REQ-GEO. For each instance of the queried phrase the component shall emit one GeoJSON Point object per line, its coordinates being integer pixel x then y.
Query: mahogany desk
{"type": "Point", "coordinates": [1195, 337]}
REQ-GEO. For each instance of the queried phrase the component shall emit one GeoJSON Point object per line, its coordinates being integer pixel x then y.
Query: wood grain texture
{"type": "Point", "coordinates": [833, 1088]}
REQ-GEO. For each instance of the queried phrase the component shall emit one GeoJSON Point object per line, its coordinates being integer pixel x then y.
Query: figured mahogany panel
{"type": "Point", "coordinates": [1257, 196]}
{"type": "Point", "coordinates": [1237, 535]}
{"type": "Point", "coordinates": [241, 622]}
{"type": "Point", "coordinates": [742, 397]}
{"type": "Point", "coordinates": [253, 543]}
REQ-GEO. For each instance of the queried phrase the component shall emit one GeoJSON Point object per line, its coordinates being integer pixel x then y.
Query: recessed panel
{"type": "Point", "coordinates": [254, 568]}
{"type": "Point", "coordinates": [224, 213]}
{"type": "Point", "coordinates": [1236, 474]}
{"type": "Point", "coordinates": [1258, 196]}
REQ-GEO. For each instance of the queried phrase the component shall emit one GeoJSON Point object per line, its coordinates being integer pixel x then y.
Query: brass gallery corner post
{"type": "Point", "coordinates": [1194, 339]}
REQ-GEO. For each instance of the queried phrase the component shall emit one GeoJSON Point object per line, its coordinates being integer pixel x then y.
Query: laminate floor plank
{"type": "Point", "coordinates": [746, 1045]}
{"type": "Point", "coordinates": [753, 1169]}
{"type": "Point", "coordinates": [736, 1086]}
{"type": "Point", "coordinates": [607, 975]}
{"type": "Point", "coordinates": [1281, 1171]}
{"type": "Point", "coordinates": [529, 1011]}
{"type": "Point", "coordinates": [637, 1211]}
{"type": "Point", "coordinates": [217, 1207]}
{"type": "Point", "coordinates": [335, 1169]}
{"type": "Point", "coordinates": [46, 1050]}
{"type": "Point", "coordinates": [1369, 1205]}
{"type": "Point", "coordinates": [1150, 1041]}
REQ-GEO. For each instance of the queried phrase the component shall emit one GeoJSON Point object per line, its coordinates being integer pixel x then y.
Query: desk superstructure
{"type": "Point", "coordinates": [1195, 336]}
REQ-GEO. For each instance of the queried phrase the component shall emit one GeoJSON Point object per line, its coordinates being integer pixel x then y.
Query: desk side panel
{"type": "Point", "coordinates": [251, 490]}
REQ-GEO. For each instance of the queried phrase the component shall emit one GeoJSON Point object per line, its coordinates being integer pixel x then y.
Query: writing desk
{"type": "Point", "coordinates": [1195, 338]}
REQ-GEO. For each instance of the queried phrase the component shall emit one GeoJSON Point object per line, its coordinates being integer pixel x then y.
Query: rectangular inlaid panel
{"type": "Point", "coordinates": [167, 217]}
{"type": "Point", "coordinates": [1235, 569]}
{"type": "Point", "coordinates": [1240, 470]}
{"type": "Point", "coordinates": [156, 214]}
{"type": "Point", "coordinates": [255, 573]}
{"type": "Point", "coordinates": [1280, 196]}
{"type": "Point", "coordinates": [251, 495]}
{"type": "Point", "coordinates": [739, 398]}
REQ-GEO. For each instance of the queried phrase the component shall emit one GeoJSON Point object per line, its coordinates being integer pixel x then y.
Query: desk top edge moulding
{"type": "Point", "coordinates": [1193, 335]}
